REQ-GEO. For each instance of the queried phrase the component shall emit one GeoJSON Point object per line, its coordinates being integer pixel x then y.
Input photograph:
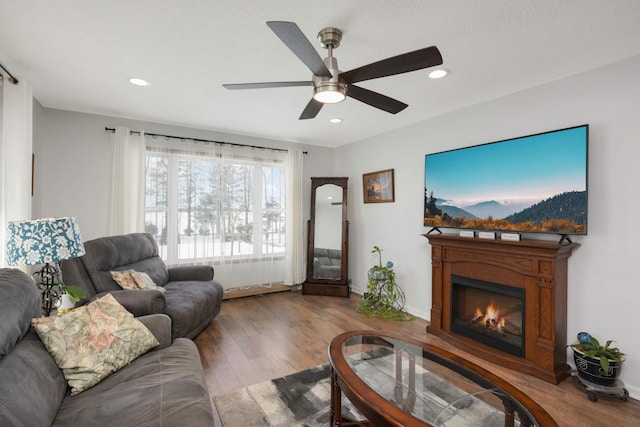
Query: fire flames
{"type": "Point", "coordinates": [491, 318]}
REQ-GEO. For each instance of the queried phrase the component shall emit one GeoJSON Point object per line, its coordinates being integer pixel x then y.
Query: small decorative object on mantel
{"type": "Point", "coordinates": [377, 187]}
{"type": "Point", "coordinates": [598, 367]}
{"type": "Point", "coordinates": [383, 297]}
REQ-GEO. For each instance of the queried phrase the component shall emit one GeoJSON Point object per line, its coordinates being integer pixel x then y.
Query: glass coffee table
{"type": "Point", "coordinates": [394, 380]}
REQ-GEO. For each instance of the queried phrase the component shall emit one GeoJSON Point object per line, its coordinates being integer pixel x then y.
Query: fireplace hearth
{"type": "Point", "coordinates": [503, 301]}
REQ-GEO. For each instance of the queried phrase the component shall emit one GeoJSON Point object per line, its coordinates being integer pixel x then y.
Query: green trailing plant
{"type": "Point", "coordinates": [591, 347]}
{"type": "Point", "coordinates": [383, 297]}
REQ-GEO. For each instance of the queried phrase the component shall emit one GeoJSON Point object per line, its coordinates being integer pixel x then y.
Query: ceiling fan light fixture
{"type": "Point", "coordinates": [330, 93]}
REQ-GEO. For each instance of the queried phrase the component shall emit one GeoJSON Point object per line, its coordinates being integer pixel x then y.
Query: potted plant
{"type": "Point", "coordinates": [383, 297]}
{"type": "Point", "coordinates": [596, 363]}
{"type": "Point", "coordinates": [69, 296]}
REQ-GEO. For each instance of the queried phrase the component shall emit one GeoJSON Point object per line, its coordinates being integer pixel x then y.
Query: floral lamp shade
{"type": "Point", "coordinates": [43, 241]}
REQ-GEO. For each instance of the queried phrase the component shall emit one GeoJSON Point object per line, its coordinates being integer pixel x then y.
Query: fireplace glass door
{"type": "Point", "coordinates": [490, 313]}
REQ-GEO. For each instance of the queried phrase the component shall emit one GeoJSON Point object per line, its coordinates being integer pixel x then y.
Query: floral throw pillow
{"type": "Point", "coordinates": [143, 281]}
{"type": "Point", "coordinates": [124, 279]}
{"type": "Point", "coordinates": [91, 342]}
{"type": "Point", "coordinates": [131, 280]}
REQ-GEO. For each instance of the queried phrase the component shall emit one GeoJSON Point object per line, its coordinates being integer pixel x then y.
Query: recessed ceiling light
{"type": "Point", "coordinates": [438, 74]}
{"type": "Point", "coordinates": [138, 82]}
{"type": "Point", "coordinates": [336, 120]}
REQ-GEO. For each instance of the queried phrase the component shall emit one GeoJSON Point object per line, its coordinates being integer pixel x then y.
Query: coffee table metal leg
{"type": "Point", "coordinates": [410, 401]}
{"type": "Point", "coordinates": [336, 401]}
{"type": "Point", "coordinates": [509, 418]}
{"type": "Point", "coordinates": [407, 403]}
{"type": "Point", "coordinates": [398, 388]}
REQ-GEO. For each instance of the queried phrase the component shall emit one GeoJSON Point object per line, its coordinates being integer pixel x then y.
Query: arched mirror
{"type": "Point", "coordinates": [327, 250]}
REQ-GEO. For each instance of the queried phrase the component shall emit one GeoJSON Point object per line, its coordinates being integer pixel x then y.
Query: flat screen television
{"type": "Point", "coordinates": [533, 184]}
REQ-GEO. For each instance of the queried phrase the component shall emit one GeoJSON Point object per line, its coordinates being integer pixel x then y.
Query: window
{"type": "Point", "coordinates": [208, 206]}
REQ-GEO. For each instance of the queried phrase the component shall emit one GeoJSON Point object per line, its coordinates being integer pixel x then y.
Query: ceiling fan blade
{"type": "Point", "coordinates": [411, 61]}
{"type": "Point", "coordinates": [376, 99]}
{"type": "Point", "coordinates": [265, 85]}
{"type": "Point", "coordinates": [292, 36]}
{"type": "Point", "coordinates": [311, 110]}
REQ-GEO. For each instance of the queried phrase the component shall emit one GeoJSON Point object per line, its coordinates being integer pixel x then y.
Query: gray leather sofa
{"type": "Point", "coordinates": [191, 297]}
{"type": "Point", "coordinates": [164, 387]}
{"type": "Point", "coordinates": [327, 263]}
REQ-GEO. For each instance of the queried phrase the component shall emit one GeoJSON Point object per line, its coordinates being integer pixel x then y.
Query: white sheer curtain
{"type": "Point", "coordinates": [295, 259]}
{"type": "Point", "coordinates": [16, 156]}
{"type": "Point", "coordinates": [127, 182]}
{"type": "Point", "coordinates": [223, 205]}
{"type": "Point", "coordinates": [3, 218]}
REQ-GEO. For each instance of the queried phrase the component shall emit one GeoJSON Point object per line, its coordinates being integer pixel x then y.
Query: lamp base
{"type": "Point", "coordinates": [48, 281]}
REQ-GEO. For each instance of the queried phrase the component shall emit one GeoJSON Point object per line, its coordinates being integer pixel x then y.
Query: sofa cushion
{"type": "Point", "coordinates": [19, 302]}
{"type": "Point", "coordinates": [161, 388]}
{"type": "Point", "coordinates": [334, 254]}
{"type": "Point", "coordinates": [190, 303]}
{"type": "Point", "coordinates": [321, 252]}
{"type": "Point", "coordinates": [93, 341]}
{"type": "Point", "coordinates": [323, 260]}
{"type": "Point", "coordinates": [31, 385]}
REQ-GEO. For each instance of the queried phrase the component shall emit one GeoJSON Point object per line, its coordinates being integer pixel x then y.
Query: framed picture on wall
{"type": "Point", "coordinates": [377, 187]}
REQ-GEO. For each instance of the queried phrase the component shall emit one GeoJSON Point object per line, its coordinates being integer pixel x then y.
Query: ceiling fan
{"type": "Point", "coordinates": [330, 85]}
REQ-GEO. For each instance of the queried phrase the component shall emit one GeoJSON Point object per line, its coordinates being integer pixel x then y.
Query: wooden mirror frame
{"type": "Point", "coordinates": [326, 286]}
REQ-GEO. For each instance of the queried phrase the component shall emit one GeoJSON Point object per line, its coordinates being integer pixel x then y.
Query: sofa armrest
{"type": "Point", "coordinates": [160, 327]}
{"type": "Point", "coordinates": [190, 272]}
{"type": "Point", "coordinates": [139, 302]}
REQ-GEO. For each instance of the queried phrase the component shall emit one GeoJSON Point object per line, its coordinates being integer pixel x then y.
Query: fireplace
{"type": "Point", "coordinates": [525, 281]}
{"type": "Point", "coordinates": [490, 313]}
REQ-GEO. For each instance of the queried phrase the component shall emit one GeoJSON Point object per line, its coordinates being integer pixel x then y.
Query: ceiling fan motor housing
{"type": "Point", "coordinates": [329, 90]}
{"type": "Point", "coordinates": [330, 37]}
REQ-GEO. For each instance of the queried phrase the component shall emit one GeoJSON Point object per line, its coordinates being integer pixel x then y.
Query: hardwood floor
{"type": "Point", "coordinates": [255, 339]}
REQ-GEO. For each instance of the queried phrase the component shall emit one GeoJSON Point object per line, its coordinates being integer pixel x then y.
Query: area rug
{"type": "Point", "coordinates": [303, 399]}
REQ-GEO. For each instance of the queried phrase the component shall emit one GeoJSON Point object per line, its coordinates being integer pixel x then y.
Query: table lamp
{"type": "Point", "coordinates": [44, 241]}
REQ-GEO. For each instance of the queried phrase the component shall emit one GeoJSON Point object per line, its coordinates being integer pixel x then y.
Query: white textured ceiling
{"type": "Point", "coordinates": [79, 54]}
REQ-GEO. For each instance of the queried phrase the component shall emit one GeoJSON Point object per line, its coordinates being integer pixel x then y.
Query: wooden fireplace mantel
{"type": "Point", "coordinates": [539, 267]}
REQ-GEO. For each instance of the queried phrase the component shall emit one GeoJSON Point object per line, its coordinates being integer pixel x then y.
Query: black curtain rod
{"type": "Point", "coordinates": [11, 78]}
{"type": "Point", "coordinates": [204, 140]}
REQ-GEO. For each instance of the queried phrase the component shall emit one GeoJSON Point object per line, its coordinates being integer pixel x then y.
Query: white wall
{"type": "Point", "coordinates": [603, 288]}
{"type": "Point", "coordinates": [72, 172]}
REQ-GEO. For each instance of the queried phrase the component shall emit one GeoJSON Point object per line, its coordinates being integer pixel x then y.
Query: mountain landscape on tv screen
{"type": "Point", "coordinates": [562, 213]}
{"type": "Point", "coordinates": [569, 206]}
